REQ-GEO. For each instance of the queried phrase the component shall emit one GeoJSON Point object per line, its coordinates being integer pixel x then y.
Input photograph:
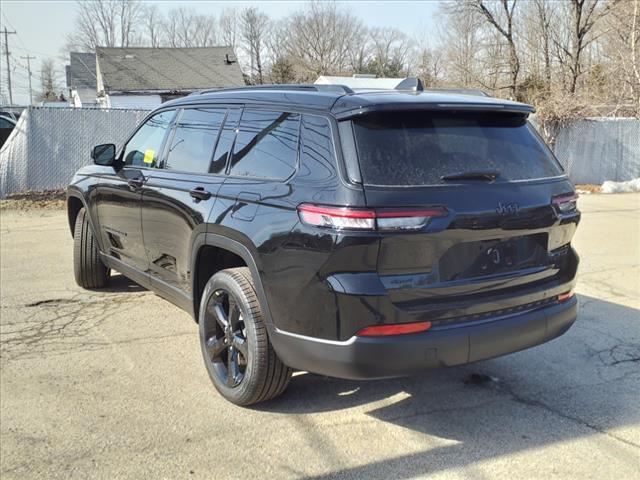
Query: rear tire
{"type": "Point", "coordinates": [88, 269]}
{"type": "Point", "coordinates": [239, 357]}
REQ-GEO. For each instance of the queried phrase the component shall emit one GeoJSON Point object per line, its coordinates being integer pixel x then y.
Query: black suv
{"type": "Point", "coordinates": [364, 234]}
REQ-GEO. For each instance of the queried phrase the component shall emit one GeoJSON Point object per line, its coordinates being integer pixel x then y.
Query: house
{"type": "Point", "coordinates": [145, 77]}
{"type": "Point", "coordinates": [81, 79]}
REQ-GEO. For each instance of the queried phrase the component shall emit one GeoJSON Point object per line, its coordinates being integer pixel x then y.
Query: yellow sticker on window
{"type": "Point", "coordinates": [148, 156]}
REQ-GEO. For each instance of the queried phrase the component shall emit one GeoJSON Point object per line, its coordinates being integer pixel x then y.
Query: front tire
{"type": "Point", "coordinates": [88, 269]}
{"type": "Point", "coordinates": [237, 352]}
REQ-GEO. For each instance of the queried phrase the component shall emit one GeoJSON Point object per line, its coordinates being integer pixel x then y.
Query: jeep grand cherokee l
{"type": "Point", "coordinates": [359, 235]}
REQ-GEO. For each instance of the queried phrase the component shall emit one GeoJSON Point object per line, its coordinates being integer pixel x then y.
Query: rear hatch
{"type": "Point", "coordinates": [507, 212]}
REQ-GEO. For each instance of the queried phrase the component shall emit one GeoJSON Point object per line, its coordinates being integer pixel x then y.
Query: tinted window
{"type": "Point", "coordinates": [419, 148]}
{"type": "Point", "coordinates": [143, 150]}
{"type": "Point", "coordinates": [225, 142]}
{"type": "Point", "coordinates": [4, 123]}
{"type": "Point", "coordinates": [266, 145]}
{"type": "Point", "coordinates": [194, 139]}
{"type": "Point", "coordinates": [316, 150]}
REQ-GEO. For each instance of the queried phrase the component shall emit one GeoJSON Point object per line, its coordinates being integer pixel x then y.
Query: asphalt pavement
{"type": "Point", "coordinates": [111, 384]}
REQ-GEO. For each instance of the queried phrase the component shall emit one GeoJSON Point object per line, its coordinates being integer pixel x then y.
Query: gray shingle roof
{"type": "Point", "coordinates": [82, 70]}
{"type": "Point", "coordinates": [167, 69]}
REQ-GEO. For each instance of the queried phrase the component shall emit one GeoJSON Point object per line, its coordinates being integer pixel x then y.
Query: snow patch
{"type": "Point", "coordinates": [621, 187]}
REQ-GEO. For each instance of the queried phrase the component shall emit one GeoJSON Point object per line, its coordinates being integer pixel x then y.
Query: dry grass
{"type": "Point", "coordinates": [46, 200]}
{"type": "Point", "coordinates": [588, 188]}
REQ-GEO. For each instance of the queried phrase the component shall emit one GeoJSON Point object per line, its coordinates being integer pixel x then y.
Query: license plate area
{"type": "Point", "coordinates": [493, 257]}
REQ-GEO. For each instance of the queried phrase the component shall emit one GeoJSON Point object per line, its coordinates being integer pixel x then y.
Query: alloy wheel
{"type": "Point", "coordinates": [225, 337]}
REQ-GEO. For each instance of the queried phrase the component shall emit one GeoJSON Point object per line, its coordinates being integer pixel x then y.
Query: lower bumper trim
{"type": "Point", "coordinates": [400, 355]}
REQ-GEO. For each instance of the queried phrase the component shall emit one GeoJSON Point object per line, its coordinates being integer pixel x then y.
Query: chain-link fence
{"type": "Point", "coordinates": [597, 149]}
{"type": "Point", "coordinates": [48, 145]}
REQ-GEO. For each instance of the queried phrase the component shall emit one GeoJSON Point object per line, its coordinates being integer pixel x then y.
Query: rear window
{"type": "Point", "coordinates": [418, 148]}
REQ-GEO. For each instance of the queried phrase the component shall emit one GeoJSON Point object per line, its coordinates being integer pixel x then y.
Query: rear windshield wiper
{"type": "Point", "coordinates": [475, 175]}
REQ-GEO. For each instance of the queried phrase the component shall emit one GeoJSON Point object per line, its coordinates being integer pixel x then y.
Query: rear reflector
{"type": "Point", "coordinates": [563, 297]}
{"type": "Point", "coordinates": [400, 329]}
{"type": "Point", "coordinates": [368, 219]}
{"type": "Point", "coordinates": [566, 203]}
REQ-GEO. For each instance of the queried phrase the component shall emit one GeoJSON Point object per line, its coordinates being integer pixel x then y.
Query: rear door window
{"type": "Point", "coordinates": [144, 148]}
{"type": "Point", "coordinates": [266, 145]}
{"type": "Point", "coordinates": [419, 148]}
{"type": "Point", "coordinates": [227, 136]}
{"type": "Point", "coordinates": [194, 138]}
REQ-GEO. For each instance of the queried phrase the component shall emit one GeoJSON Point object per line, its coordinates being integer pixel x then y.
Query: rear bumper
{"type": "Point", "coordinates": [381, 357]}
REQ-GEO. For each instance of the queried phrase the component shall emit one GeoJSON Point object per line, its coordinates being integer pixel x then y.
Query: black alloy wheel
{"type": "Point", "coordinates": [226, 338]}
{"type": "Point", "coordinates": [239, 357]}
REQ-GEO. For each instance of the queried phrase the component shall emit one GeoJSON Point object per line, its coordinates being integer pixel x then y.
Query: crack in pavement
{"type": "Point", "coordinates": [59, 325]}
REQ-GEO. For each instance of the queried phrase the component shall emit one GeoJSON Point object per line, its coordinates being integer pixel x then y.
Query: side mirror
{"type": "Point", "coordinates": [104, 154]}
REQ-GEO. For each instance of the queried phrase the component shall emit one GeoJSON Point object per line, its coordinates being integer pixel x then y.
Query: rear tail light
{"type": "Point", "coordinates": [566, 203]}
{"type": "Point", "coordinates": [563, 297]}
{"type": "Point", "coordinates": [400, 329]}
{"type": "Point", "coordinates": [343, 218]}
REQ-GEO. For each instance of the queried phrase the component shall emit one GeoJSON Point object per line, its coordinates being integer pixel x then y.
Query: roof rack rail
{"type": "Point", "coordinates": [312, 87]}
{"type": "Point", "coordinates": [410, 83]}
{"type": "Point", "coordinates": [462, 91]}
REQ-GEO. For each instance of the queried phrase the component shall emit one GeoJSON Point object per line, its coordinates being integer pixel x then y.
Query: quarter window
{"type": "Point", "coordinates": [316, 151]}
{"type": "Point", "coordinates": [194, 139]}
{"type": "Point", "coordinates": [143, 150]}
{"type": "Point", "coordinates": [266, 145]}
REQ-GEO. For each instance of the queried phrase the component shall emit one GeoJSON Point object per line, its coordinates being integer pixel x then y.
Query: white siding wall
{"type": "Point", "coordinates": [141, 102]}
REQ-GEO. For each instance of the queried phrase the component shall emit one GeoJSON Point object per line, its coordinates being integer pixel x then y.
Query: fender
{"type": "Point", "coordinates": [215, 240]}
{"type": "Point", "coordinates": [75, 192]}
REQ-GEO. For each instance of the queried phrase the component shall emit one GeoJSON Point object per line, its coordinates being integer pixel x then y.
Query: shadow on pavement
{"type": "Point", "coordinates": [583, 383]}
{"type": "Point", "coordinates": [121, 284]}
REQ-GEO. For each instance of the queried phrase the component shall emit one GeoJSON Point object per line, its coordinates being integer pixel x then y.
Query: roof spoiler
{"type": "Point", "coordinates": [517, 108]}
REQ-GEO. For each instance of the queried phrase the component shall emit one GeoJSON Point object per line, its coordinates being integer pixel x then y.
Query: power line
{"type": "Point", "coordinates": [6, 52]}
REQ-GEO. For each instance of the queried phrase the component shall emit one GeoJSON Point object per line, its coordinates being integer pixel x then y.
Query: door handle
{"type": "Point", "coordinates": [136, 183]}
{"type": "Point", "coordinates": [199, 193]}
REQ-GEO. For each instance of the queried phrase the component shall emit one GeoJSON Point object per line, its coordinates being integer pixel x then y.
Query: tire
{"type": "Point", "coordinates": [237, 352]}
{"type": "Point", "coordinates": [88, 269]}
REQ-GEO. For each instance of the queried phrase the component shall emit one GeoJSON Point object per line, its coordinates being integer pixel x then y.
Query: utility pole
{"type": "Point", "coordinates": [28, 58]}
{"type": "Point", "coordinates": [6, 52]}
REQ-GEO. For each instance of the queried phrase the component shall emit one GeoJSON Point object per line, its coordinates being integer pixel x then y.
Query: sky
{"type": "Point", "coordinates": [42, 25]}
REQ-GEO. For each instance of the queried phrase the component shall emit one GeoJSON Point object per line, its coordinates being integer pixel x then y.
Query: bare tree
{"type": "Point", "coordinates": [319, 39]}
{"type": "Point", "coordinates": [129, 15]}
{"type": "Point", "coordinates": [502, 19]}
{"type": "Point", "coordinates": [584, 15]}
{"type": "Point", "coordinates": [390, 51]}
{"type": "Point", "coordinates": [537, 24]}
{"type": "Point", "coordinates": [461, 33]}
{"type": "Point", "coordinates": [184, 27]}
{"type": "Point", "coordinates": [105, 23]}
{"type": "Point", "coordinates": [229, 28]}
{"type": "Point", "coordinates": [544, 13]}
{"type": "Point", "coordinates": [153, 24]}
{"type": "Point", "coordinates": [429, 62]}
{"type": "Point", "coordinates": [253, 32]}
{"type": "Point", "coordinates": [359, 52]}
{"type": "Point", "coordinates": [48, 85]}
{"type": "Point", "coordinates": [622, 49]}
